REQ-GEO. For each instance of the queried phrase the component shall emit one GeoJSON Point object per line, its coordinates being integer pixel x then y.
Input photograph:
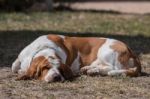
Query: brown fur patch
{"type": "Point", "coordinates": [38, 69]}
{"type": "Point", "coordinates": [87, 47]}
{"type": "Point", "coordinates": [66, 72]}
{"type": "Point", "coordinates": [58, 41]}
{"type": "Point", "coordinates": [125, 53]}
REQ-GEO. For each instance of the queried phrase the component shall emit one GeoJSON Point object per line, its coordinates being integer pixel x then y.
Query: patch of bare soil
{"type": "Point", "coordinates": [83, 87]}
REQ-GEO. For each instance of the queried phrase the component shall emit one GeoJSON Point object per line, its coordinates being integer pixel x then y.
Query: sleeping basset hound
{"type": "Point", "coordinates": [58, 58]}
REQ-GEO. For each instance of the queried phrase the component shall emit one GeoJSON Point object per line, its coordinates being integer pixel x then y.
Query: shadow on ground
{"type": "Point", "coordinates": [12, 42]}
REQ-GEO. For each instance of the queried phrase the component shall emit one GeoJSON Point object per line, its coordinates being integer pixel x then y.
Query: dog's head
{"type": "Point", "coordinates": [48, 69]}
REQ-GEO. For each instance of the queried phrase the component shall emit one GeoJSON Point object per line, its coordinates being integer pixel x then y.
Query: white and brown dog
{"type": "Point", "coordinates": [57, 58]}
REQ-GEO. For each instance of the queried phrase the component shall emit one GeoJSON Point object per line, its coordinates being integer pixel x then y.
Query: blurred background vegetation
{"type": "Point", "coordinates": [24, 5]}
{"type": "Point", "coordinates": [29, 5]}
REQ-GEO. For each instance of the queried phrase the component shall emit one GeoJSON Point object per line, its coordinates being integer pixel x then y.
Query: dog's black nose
{"type": "Point", "coordinates": [57, 78]}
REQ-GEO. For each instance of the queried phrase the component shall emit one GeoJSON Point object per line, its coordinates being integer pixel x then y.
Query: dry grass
{"type": "Point", "coordinates": [18, 29]}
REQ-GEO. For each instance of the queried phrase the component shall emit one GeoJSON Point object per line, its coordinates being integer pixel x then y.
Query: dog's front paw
{"type": "Point", "coordinates": [84, 69]}
{"type": "Point", "coordinates": [93, 72]}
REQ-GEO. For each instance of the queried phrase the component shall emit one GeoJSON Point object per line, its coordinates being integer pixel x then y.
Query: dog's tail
{"type": "Point", "coordinates": [136, 70]}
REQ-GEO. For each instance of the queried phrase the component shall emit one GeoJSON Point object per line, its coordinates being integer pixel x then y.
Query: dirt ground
{"type": "Point", "coordinates": [83, 87]}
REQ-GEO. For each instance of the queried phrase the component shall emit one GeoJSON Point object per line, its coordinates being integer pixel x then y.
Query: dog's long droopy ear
{"type": "Point", "coordinates": [34, 69]}
{"type": "Point", "coordinates": [29, 74]}
{"type": "Point", "coordinates": [66, 72]}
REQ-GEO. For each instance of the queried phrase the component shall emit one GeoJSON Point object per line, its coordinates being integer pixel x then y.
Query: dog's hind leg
{"type": "Point", "coordinates": [16, 66]}
{"type": "Point", "coordinates": [99, 70]}
{"type": "Point", "coordinates": [132, 72]}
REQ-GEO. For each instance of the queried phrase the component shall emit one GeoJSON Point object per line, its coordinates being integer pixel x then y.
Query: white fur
{"type": "Point", "coordinates": [61, 53]}
{"type": "Point", "coordinates": [107, 61]}
{"type": "Point", "coordinates": [50, 75]}
{"type": "Point", "coordinates": [46, 52]}
{"type": "Point", "coordinates": [62, 36]}
{"type": "Point", "coordinates": [75, 67]}
{"type": "Point", "coordinates": [107, 56]}
{"type": "Point", "coordinates": [16, 65]}
{"type": "Point", "coordinates": [50, 55]}
{"type": "Point", "coordinates": [25, 57]}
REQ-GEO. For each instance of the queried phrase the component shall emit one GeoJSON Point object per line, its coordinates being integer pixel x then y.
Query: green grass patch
{"type": "Point", "coordinates": [83, 22]}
